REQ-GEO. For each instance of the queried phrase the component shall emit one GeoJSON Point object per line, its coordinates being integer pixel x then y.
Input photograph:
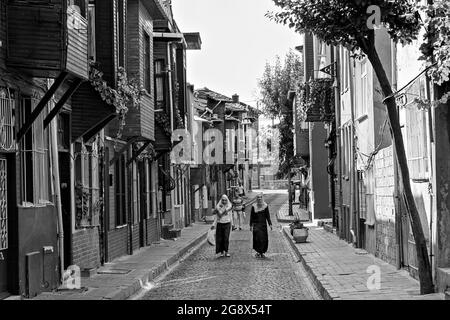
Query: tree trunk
{"type": "Point", "coordinates": [425, 274]}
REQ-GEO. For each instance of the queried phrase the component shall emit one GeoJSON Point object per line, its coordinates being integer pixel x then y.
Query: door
{"type": "Point", "coordinates": [64, 169]}
{"type": "Point", "coordinates": [408, 246]}
{"type": "Point", "coordinates": [143, 205]}
{"type": "Point", "coordinates": [3, 226]}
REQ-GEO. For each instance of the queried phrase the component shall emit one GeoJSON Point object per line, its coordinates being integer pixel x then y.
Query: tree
{"type": "Point", "coordinates": [277, 80]}
{"type": "Point", "coordinates": [345, 23]}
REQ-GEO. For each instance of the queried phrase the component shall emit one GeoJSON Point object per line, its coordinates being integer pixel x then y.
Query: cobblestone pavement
{"type": "Point", "coordinates": [203, 276]}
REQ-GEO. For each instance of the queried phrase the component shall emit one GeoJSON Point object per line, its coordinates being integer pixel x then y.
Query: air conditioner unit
{"type": "Point", "coordinates": [215, 116]}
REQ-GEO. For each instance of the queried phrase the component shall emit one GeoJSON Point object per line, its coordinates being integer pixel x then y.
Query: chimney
{"type": "Point", "coordinates": [235, 98]}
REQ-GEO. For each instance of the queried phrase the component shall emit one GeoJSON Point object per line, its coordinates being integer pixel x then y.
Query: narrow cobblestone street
{"type": "Point", "coordinates": [242, 276]}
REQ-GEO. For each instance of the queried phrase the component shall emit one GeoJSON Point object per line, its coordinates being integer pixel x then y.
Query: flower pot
{"type": "Point", "coordinates": [300, 235]}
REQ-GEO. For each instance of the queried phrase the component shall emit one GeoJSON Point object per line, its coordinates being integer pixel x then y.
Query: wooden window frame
{"type": "Point", "coordinates": [34, 157]}
{"type": "Point", "coordinates": [160, 101]}
{"type": "Point", "coordinates": [147, 63]}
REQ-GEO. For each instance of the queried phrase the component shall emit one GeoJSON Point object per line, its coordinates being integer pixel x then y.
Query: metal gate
{"type": "Point", "coordinates": [3, 225]}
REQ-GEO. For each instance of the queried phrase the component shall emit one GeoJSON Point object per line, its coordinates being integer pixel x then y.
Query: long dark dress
{"type": "Point", "coordinates": [259, 220]}
{"type": "Point", "coordinates": [222, 237]}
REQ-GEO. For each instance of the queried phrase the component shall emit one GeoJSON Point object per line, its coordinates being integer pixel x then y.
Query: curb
{"type": "Point", "coordinates": [126, 292]}
{"type": "Point", "coordinates": [281, 220]}
{"type": "Point", "coordinates": [317, 283]}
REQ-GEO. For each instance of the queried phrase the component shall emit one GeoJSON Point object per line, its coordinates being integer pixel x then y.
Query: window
{"type": "Point", "coordinates": [120, 184]}
{"type": "Point", "coordinates": [120, 33]}
{"type": "Point", "coordinates": [7, 107]}
{"type": "Point", "coordinates": [322, 59]}
{"type": "Point", "coordinates": [63, 131]}
{"type": "Point", "coordinates": [147, 61]}
{"type": "Point", "coordinates": [345, 58]}
{"type": "Point", "coordinates": [91, 32]}
{"type": "Point", "coordinates": [417, 136]}
{"type": "Point", "coordinates": [34, 157]}
{"type": "Point", "coordinates": [88, 203]}
{"type": "Point", "coordinates": [78, 5]}
{"type": "Point", "coordinates": [364, 90]}
{"type": "Point", "coordinates": [159, 85]}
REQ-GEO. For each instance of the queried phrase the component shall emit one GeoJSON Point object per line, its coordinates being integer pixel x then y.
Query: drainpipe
{"type": "Point", "coordinates": [57, 192]}
{"type": "Point", "coordinates": [172, 110]}
{"type": "Point", "coordinates": [130, 207]}
{"type": "Point", "coordinates": [338, 139]}
{"type": "Point", "coordinates": [353, 190]}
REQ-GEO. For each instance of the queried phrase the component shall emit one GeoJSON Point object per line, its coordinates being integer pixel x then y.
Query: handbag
{"type": "Point", "coordinates": [211, 237]}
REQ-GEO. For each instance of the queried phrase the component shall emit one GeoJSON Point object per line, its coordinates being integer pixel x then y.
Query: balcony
{"type": "Point", "coordinates": [90, 113]}
{"type": "Point", "coordinates": [46, 38]}
{"type": "Point", "coordinates": [163, 133]}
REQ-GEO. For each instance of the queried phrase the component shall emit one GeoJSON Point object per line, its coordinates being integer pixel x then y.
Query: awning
{"type": "Point", "coordinates": [168, 36]}
{"type": "Point", "coordinates": [193, 40]}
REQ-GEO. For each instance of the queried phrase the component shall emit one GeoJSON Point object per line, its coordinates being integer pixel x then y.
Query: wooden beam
{"type": "Point", "coordinates": [60, 104]}
{"type": "Point", "coordinates": [99, 126]}
{"type": "Point", "coordinates": [137, 153]}
{"type": "Point", "coordinates": [45, 99]}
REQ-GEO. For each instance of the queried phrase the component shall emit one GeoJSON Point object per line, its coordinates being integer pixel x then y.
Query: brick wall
{"type": "Point", "coordinates": [386, 246]}
{"type": "Point", "coordinates": [86, 248]}
{"type": "Point", "coordinates": [153, 230]}
{"type": "Point", "coordinates": [117, 243]}
{"type": "Point", "coordinates": [136, 236]}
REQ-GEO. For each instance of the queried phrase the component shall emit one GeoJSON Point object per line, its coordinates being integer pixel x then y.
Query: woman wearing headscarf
{"type": "Point", "coordinates": [259, 217]}
{"type": "Point", "coordinates": [222, 223]}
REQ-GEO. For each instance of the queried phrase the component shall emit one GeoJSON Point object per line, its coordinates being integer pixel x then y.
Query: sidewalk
{"type": "Point", "coordinates": [284, 217]}
{"type": "Point", "coordinates": [125, 276]}
{"type": "Point", "coordinates": [340, 272]}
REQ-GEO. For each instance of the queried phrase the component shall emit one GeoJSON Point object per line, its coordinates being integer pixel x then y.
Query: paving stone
{"type": "Point", "coordinates": [242, 276]}
{"type": "Point", "coordinates": [343, 273]}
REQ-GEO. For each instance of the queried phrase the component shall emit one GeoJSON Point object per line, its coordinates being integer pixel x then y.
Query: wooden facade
{"type": "Point", "coordinates": [45, 39]}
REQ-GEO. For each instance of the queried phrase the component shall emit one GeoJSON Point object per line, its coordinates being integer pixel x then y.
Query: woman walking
{"type": "Point", "coordinates": [222, 223]}
{"type": "Point", "coordinates": [259, 218]}
{"type": "Point", "coordinates": [238, 211]}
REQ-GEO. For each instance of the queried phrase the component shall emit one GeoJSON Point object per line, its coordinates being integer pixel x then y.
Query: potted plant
{"type": "Point", "coordinates": [298, 231]}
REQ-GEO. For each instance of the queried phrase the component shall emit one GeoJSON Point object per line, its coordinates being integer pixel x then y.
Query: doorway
{"type": "Point", "coordinates": [64, 176]}
{"type": "Point", "coordinates": [143, 201]}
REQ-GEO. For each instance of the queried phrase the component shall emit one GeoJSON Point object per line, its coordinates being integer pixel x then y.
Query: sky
{"type": "Point", "coordinates": [237, 41]}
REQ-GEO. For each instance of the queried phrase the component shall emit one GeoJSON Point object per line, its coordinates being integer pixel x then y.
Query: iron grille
{"type": "Point", "coordinates": [7, 141]}
{"type": "Point", "coordinates": [3, 206]}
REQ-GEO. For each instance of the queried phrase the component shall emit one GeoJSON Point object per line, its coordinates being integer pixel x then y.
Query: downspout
{"type": "Point", "coordinates": [338, 138]}
{"type": "Point", "coordinates": [354, 228]}
{"type": "Point", "coordinates": [130, 207]}
{"type": "Point", "coordinates": [431, 143]}
{"type": "Point", "coordinates": [172, 110]}
{"type": "Point", "coordinates": [331, 156]}
{"type": "Point", "coordinates": [57, 192]}
{"type": "Point", "coordinates": [398, 213]}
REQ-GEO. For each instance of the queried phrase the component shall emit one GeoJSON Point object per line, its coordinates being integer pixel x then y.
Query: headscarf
{"type": "Point", "coordinates": [260, 207]}
{"type": "Point", "coordinates": [221, 208]}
